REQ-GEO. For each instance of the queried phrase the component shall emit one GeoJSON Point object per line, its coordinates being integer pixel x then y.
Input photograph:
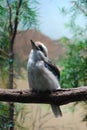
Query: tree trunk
{"type": "Point", "coordinates": [12, 33]}
{"type": "Point", "coordinates": [11, 116]}
{"type": "Point", "coordinates": [11, 59]}
{"type": "Point", "coordinates": [10, 86]}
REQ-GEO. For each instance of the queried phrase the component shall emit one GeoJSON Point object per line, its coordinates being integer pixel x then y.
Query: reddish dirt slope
{"type": "Point", "coordinates": [22, 44]}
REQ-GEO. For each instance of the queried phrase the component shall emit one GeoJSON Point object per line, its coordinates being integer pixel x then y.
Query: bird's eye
{"type": "Point", "coordinates": [41, 48]}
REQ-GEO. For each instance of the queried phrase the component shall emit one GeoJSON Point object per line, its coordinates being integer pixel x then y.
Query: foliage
{"type": "Point", "coordinates": [37, 115]}
{"type": "Point", "coordinates": [4, 116]}
{"type": "Point", "coordinates": [27, 15]}
{"type": "Point", "coordinates": [74, 73]}
{"type": "Point", "coordinates": [78, 9]}
{"type": "Point", "coordinates": [27, 19]}
{"type": "Point", "coordinates": [4, 120]}
{"type": "Point", "coordinates": [4, 42]}
{"type": "Point", "coordinates": [14, 14]}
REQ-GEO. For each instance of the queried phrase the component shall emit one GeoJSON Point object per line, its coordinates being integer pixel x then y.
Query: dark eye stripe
{"type": "Point", "coordinates": [41, 49]}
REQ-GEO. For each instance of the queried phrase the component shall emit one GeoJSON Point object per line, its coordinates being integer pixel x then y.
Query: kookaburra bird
{"type": "Point", "coordinates": [43, 75]}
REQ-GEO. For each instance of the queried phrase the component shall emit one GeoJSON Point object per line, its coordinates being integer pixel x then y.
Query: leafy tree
{"type": "Point", "coordinates": [75, 63]}
{"type": "Point", "coordinates": [14, 14]}
{"type": "Point", "coordinates": [78, 8]}
{"type": "Point", "coordinates": [74, 73]}
{"type": "Point", "coordinates": [13, 18]}
{"type": "Point", "coordinates": [4, 116]}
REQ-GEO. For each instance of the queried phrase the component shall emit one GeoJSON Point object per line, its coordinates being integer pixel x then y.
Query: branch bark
{"type": "Point", "coordinates": [60, 97]}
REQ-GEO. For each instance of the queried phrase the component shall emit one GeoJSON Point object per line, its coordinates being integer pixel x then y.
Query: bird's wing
{"type": "Point", "coordinates": [52, 67]}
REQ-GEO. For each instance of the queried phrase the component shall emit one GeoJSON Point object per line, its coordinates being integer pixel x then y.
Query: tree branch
{"type": "Point", "coordinates": [10, 17]}
{"type": "Point", "coordinates": [80, 7]}
{"type": "Point", "coordinates": [60, 97]}
{"type": "Point", "coordinates": [16, 20]}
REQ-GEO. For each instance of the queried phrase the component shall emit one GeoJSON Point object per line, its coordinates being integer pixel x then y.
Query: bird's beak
{"type": "Point", "coordinates": [34, 45]}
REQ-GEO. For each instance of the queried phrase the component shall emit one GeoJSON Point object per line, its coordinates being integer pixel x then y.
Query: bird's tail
{"type": "Point", "coordinates": [56, 110]}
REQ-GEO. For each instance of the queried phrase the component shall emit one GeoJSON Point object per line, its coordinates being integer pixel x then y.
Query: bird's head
{"type": "Point", "coordinates": [40, 48]}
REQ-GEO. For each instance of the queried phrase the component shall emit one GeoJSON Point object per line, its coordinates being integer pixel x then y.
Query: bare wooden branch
{"type": "Point", "coordinates": [60, 97]}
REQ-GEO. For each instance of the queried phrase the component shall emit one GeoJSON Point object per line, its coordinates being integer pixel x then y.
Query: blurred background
{"type": "Point", "coordinates": [62, 27]}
